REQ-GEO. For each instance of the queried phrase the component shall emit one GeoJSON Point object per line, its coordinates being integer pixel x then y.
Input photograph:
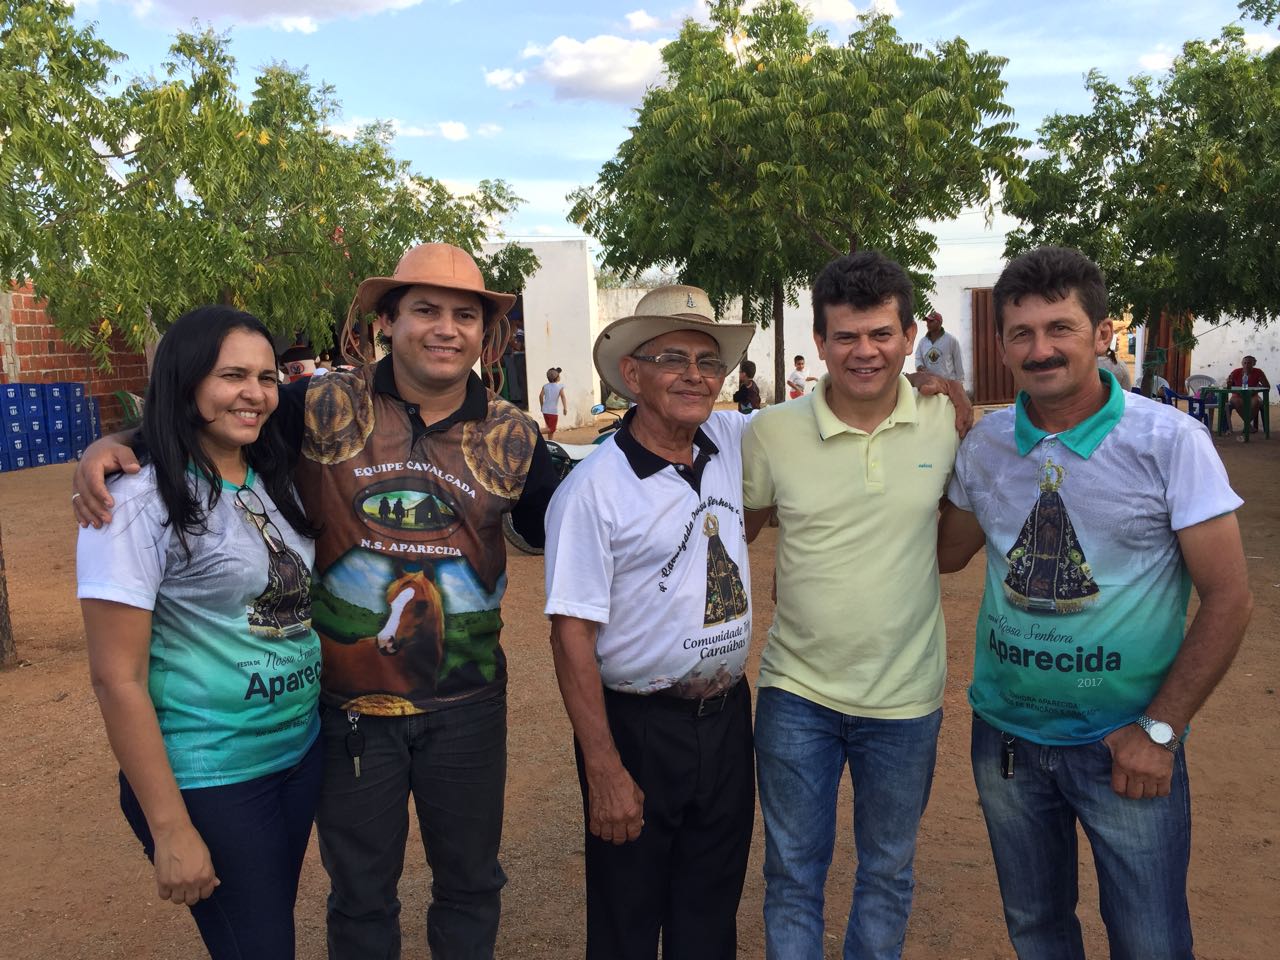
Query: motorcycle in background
{"type": "Point", "coordinates": [564, 457]}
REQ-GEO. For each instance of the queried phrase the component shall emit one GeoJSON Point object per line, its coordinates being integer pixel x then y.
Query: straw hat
{"type": "Point", "coordinates": [437, 264]}
{"type": "Point", "coordinates": [666, 310]}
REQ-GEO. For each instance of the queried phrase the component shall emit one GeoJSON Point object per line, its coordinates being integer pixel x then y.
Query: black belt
{"type": "Point", "coordinates": [668, 698]}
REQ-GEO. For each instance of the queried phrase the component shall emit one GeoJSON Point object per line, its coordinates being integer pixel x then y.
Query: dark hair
{"type": "Point", "coordinates": [798, 359]}
{"type": "Point", "coordinates": [748, 367]}
{"type": "Point", "coordinates": [1052, 273]}
{"type": "Point", "coordinates": [169, 437]}
{"type": "Point", "coordinates": [388, 304]}
{"type": "Point", "coordinates": [862, 280]}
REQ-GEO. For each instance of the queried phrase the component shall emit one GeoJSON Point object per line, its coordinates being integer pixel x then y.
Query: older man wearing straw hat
{"type": "Point", "coordinates": [649, 595]}
{"type": "Point", "coordinates": [409, 464]}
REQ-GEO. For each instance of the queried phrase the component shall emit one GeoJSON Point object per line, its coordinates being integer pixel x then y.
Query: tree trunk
{"type": "Point", "coordinates": [779, 346]}
{"type": "Point", "coordinates": [8, 652]}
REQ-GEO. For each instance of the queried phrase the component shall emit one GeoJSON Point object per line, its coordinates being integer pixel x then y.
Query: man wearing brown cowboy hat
{"type": "Point", "coordinates": [409, 465]}
{"type": "Point", "coordinates": [648, 590]}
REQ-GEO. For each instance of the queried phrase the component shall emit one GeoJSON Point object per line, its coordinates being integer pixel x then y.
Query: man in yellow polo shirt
{"type": "Point", "coordinates": [854, 668]}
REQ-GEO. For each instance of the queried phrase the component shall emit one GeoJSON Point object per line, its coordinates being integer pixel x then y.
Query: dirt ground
{"type": "Point", "coordinates": [76, 884]}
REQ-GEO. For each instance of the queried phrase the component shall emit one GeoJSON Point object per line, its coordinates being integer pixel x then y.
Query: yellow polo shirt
{"type": "Point", "coordinates": [858, 626]}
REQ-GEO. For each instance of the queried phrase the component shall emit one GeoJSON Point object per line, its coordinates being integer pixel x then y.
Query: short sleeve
{"type": "Point", "coordinates": [579, 552]}
{"type": "Point", "coordinates": [955, 489]}
{"type": "Point", "coordinates": [125, 560]}
{"type": "Point", "coordinates": [1197, 487]}
{"type": "Point", "coordinates": [528, 516]}
{"type": "Point", "coordinates": [290, 415]}
{"type": "Point", "coordinates": [758, 491]}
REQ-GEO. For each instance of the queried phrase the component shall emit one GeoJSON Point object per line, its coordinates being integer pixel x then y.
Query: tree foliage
{"type": "Point", "coordinates": [1172, 185]}
{"type": "Point", "coordinates": [1265, 11]}
{"type": "Point", "coordinates": [127, 205]}
{"type": "Point", "coordinates": [768, 150]}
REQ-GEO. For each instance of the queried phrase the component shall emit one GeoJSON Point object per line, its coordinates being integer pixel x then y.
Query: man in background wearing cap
{"type": "Point", "coordinates": [414, 698]}
{"type": "Point", "coordinates": [648, 590]}
{"type": "Point", "coordinates": [854, 668]}
{"type": "Point", "coordinates": [938, 351]}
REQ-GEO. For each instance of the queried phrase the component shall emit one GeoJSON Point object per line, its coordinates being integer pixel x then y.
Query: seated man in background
{"type": "Point", "coordinates": [1248, 375]}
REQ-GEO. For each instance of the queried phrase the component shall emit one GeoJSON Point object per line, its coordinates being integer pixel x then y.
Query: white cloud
{"type": "Point", "coordinates": [504, 78]}
{"type": "Point", "coordinates": [888, 7]}
{"type": "Point", "coordinates": [298, 24]}
{"type": "Point", "coordinates": [601, 68]}
{"type": "Point", "coordinates": [642, 22]}
{"type": "Point", "coordinates": [488, 130]}
{"type": "Point", "coordinates": [1261, 42]}
{"type": "Point", "coordinates": [1157, 60]}
{"type": "Point", "coordinates": [304, 16]}
{"type": "Point", "coordinates": [448, 129]}
{"type": "Point", "coordinates": [832, 11]}
{"type": "Point", "coordinates": [453, 130]}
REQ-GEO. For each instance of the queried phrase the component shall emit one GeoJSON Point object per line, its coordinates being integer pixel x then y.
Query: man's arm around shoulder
{"type": "Point", "coordinates": [615, 803]}
{"type": "Point", "coordinates": [1215, 559]}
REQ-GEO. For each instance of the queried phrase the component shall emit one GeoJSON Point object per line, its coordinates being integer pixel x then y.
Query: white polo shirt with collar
{"type": "Point", "coordinates": [656, 554]}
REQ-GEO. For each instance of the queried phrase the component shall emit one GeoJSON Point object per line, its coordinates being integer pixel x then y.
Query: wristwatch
{"type": "Point", "coordinates": [1160, 733]}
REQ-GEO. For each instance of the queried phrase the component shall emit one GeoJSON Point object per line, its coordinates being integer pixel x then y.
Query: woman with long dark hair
{"type": "Point", "coordinates": [197, 610]}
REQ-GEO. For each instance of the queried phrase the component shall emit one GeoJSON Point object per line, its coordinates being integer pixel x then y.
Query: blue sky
{"type": "Point", "coordinates": [539, 92]}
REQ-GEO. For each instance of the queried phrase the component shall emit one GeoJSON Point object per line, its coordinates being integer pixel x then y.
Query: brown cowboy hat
{"type": "Point", "coordinates": [436, 264]}
{"type": "Point", "coordinates": [665, 310]}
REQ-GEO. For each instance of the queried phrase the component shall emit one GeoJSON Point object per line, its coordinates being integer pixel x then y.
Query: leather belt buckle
{"type": "Point", "coordinates": [711, 706]}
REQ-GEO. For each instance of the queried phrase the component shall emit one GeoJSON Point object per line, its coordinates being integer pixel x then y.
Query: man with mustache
{"type": "Point", "coordinates": [1099, 509]}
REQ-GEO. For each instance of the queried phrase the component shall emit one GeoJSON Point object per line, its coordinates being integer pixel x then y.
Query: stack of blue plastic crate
{"type": "Point", "coordinates": [45, 423]}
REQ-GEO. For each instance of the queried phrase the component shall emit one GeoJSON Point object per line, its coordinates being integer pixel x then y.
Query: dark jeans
{"type": "Point", "coordinates": [683, 876]}
{"type": "Point", "coordinates": [454, 763]}
{"type": "Point", "coordinates": [1141, 849]}
{"type": "Point", "coordinates": [257, 834]}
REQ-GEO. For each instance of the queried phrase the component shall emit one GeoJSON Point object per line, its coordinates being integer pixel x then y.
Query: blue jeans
{"type": "Point", "coordinates": [257, 833]}
{"type": "Point", "coordinates": [801, 752]}
{"type": "Point", "coordinates": [1141, 849]}
{"type": "Point", "coordinates": [454, 764]}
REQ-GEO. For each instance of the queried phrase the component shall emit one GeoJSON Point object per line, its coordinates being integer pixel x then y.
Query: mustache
{"type": "Point", "coordinates": [1036, 366]}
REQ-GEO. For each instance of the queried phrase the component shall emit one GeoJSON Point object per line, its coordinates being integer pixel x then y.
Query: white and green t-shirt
{"type": "Point", "coordinates": [1086, 591]}
{"type": "Point", "coordinates": [235, 666]}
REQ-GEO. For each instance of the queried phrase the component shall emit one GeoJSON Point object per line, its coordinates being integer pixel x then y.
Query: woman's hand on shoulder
{"type": "Point", "coordinates": [184, 869]}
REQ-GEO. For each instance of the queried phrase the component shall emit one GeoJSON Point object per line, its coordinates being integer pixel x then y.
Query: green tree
{"type": "Point", "coordinates": [127, 208]}
{"type": "Point", "coordinates": [768, 150]}
{"type": "Point", "coordinates": [1264, 11]}
{"type": "Point", "coordinates": [1172, 185]}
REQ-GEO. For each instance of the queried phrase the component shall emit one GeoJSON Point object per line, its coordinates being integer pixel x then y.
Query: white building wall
{"type": "Point", "coordinates": [953, 298]}
{"type": "Point", "coordinates": [559, 325]}
{"type": "Point", "coordinates": [1219, 348]}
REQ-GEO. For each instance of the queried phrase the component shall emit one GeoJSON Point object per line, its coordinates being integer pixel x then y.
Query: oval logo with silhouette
{"type": "Point", "coordinates": [407, 509]}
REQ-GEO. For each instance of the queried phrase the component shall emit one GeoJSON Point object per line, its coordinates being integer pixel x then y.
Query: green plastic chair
{"type": "Point", "coordinates": [131, 404]}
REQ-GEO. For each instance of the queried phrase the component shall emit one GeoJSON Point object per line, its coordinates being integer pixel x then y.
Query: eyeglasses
{"type": "Point", "coordinates": [679, 363]}
{"type": "Point", "coordinates": [252, 504]}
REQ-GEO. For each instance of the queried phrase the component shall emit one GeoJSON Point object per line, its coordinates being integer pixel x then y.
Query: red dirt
{"type": "Point", "coordinates": [77, 885]}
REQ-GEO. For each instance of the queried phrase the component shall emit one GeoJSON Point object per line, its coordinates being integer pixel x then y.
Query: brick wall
{"type": "Point", "coordinates": [34, 352]}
